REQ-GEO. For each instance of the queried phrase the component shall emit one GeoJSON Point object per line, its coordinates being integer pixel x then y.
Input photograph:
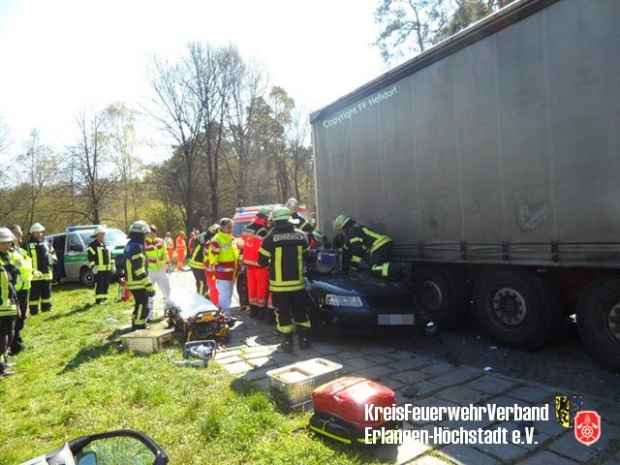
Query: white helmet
{"type": "Point", "coordinates": [292, 204]}
{"type": "Point", "coordinates": [140, 227]}
{"type": "Point", "coordinates": [99, 230]}
{"type": "Point", "coordinates": [6, 236]}
{"type": "Point", "coordinates": [37, 227]}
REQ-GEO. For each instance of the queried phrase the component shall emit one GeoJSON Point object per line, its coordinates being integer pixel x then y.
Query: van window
{"type": "Point", "coordinates": [75, 244]}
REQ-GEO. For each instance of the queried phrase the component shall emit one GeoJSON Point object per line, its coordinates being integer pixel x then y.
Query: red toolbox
{"type": "Point", "coordinates": [340, 408]}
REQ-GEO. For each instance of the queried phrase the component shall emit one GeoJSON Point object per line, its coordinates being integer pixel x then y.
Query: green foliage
{"type": "Point", "coordinates": [72, 380]}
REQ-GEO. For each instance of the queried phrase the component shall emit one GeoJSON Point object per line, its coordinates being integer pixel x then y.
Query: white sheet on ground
{"type": "Point", "coordinates": [190, 303]}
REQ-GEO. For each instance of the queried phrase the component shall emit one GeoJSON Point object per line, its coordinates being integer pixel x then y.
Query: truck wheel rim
{"type": "Point", "coordinates": [509, 306]}
{"type": "Point", "coordinates": [613, 320]}
{"type": "Point", "coordinates": [431, 295]}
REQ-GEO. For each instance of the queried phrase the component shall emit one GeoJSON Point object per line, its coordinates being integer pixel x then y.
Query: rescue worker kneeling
{"type": "Point", "coordinates": [136, 273]}
{"type": "Point", "coordinates": [366, 249]}
{"type": "Point", "coordinates": [101, 265]}
{"type": "Point", "coordinates": [283, 250]}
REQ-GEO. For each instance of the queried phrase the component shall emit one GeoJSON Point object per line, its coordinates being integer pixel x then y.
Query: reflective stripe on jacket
{"type": "Point", "coordinates": [155, 254]}
{"type": "Point", "coordinates": [253, 240]}
{"type": "Point", "coordinates": [136, 268]}
{"type": "Point", "coordinates": [22, 261]}
{"type": "Point", "coordinates": [225, 256]}
{"type": "Point", "coordinates": [42, 257]}
{"type": "Point", "coordinates": [100, 256]}
{"type": "Point", "coordinates": [8, 278]}
{"type": "Point", "coordinates": [362, 242]}
{"type": "Point", "coordinates": [283, 249]}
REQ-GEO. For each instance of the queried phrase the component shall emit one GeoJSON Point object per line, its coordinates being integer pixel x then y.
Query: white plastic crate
{"type": "Point", "coordinates": [293, 384]}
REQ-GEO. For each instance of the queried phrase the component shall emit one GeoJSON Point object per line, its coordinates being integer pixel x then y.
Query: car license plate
{"type": "Point", "coordinates": [395, 319]}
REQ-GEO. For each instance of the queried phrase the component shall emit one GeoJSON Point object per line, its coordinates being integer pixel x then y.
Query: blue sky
{"type": "Point", "coordinates": [61, 56]}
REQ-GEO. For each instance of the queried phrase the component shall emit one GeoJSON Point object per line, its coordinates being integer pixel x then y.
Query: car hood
{"type": "Point", "coordinates": [359, 284]}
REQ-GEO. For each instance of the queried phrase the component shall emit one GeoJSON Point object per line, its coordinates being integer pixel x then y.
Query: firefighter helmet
{"type": "Point", "coordinates": [264, 211]}
{"type": "Point", "coordinates": [99, 230]}
{"type": "Point", "coordinates": [292, 204]}
{"type": "Point", "coordinates": [214, 228]}
{"type": "Point", "coordinates": [37, 227]}
{"type": "Point", "coordinates": [281, 214]}
{"type": "Point", "coordinates": [140, 227]}
{"type": "Point", "coordinates": [6, 236]}
{"type": "Point", "coordinates": [340, 222]}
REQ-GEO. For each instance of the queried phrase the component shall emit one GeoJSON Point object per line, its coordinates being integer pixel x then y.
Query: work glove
{"type": "Point", "coordinates": [150, 292]}
{"type": "Point", "coordinates": [37, 274]}
{"type": "Point", "coordinates": [95, 270]}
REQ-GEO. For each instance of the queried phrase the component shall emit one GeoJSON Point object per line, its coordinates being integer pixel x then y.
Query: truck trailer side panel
{"type": "Point", "coordinates": [507, 150]}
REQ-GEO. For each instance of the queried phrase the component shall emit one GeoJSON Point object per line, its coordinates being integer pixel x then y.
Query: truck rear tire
{"type": "Point", "coordinates": [598, 320]}
{"type": "Point", "coordinates": [440, 295]}
{"type": "Point", "coordinates": [514, 307]}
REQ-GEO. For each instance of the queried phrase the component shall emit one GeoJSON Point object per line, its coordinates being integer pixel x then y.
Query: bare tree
{"type": "Point", "coordinates": [91, 160]}
{"type": "Point", "coordinates": [248, 86]}
{"type": "Point", "coordinates": [121, 135]}
{"type": "Point", "coordinates": [213, 76]}
{"type": "Point", "coordinates": [40, 168]}
{"type": "Point", "coordinates": [180, 115]}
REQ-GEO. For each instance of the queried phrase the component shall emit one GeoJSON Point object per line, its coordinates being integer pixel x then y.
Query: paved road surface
{"type": "Point", "coordinates": [449, 370]}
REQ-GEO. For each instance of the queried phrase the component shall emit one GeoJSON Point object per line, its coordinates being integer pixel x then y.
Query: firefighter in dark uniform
{"type": "Point", "coordinates": [43, 258]}
{"type": "Point", "coordinates": [101, 265]}
{"type": "Point", "coordinates": [365, 249]}
{"type": "Point", "coordinates": [197, 263]}
{"type": "Point", "coordinates": [299, 221]}
{"type": "Point", "coordinates": [21, 260]}
{"type": "Point", "coordinates": [283, 250]}
{"type": "Point", "coordinates": [8, 298]}
{"type": "Point", "coordinates": [136, 273]}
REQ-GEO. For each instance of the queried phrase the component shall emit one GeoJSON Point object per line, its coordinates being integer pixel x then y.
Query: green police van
{"type": "Point", "coordinates": [71, 249]}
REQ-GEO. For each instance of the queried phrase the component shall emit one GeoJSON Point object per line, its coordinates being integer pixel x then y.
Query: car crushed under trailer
{"type": "Point", "coordinates": [491, 159]}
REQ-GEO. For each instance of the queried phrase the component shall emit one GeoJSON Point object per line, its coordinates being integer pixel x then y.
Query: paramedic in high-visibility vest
{"type": "Point", "coordinates": [43, 258]}
{"type": "Point", "coordinates": [136, 273]}
{"type": "Point", "coordinates": [21, 260]}
{"type": "Point", "coordinates": [283, 251]}
{"type": "Point", "coordinates": [257, 276]}
{"type": "Point", "coordinates": [155, 250]}
{"type": "Point", "coordinates": [209, 261]}
{"type": "Point", "coordinates": [8, 298]}
{"type": "Point", "coordinates": [366, 249]}
{"type": "Point", "coordinates": [101, 265]}
{"type": "Point", "coordinates": [225, 257]}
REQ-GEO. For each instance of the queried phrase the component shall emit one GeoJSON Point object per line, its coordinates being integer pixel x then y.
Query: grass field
{"type": "Point", "coordinates": [72, 380]}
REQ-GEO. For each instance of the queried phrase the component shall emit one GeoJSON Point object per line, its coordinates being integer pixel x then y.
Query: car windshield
{"type": "Point", "coordinates": [113, 237]}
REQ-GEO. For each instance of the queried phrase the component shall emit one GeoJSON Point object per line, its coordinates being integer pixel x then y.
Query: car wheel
{"type": "Point", "coordinates": [598, 320]}
{"type": "Point", "coordinates": [87, 278]}
{"type": "Point", "coordinates": [440, 295]}
{"type": "Point", "coordinates": [515, 308]}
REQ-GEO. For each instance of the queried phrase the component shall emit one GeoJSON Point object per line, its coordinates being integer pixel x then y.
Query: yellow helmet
{"type": "Point", "coordinates": [340, 222]}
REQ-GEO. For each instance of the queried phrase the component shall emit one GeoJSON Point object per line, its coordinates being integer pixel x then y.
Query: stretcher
{"type": "Point", "coordinates": [195, 318]}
